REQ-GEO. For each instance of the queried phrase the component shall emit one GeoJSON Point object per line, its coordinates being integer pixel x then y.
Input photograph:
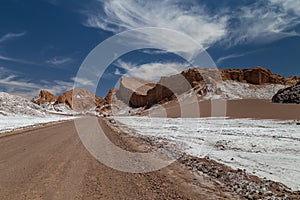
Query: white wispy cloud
{"type": "Point", "coordinates": [15, 83]}
{"type": "Point", "coordinates": [10, 36]}
{"type": "Point", "coordinates": [194, 21]}
{"type": "Point", "coordinates": [153, 51]}
{"type": "Point", "coordinates": [257, 22]}
{"type": "Point", "coordinates": [8, 58]}
{"type": "Point", "coordinates": [53, 61]}
{"type": "Point", "coordinates": [117, 72]}
{"type": "Point", "coordinates": [59, 60]}
{"type": "Point", "coordinates": [58, 87]}
{"type": "Point", "coordinates": [82, 81]}
{"type": "Point", "coordinates": [16, 60]}
{"type": "Point", "coordinates": [221, 59]}
{"type": "Point", "coordinates": [12, 82]}
{"type": "Point", "coordinates": [288, 5]}
{"type": "Point", "coordinates": [150, 71]}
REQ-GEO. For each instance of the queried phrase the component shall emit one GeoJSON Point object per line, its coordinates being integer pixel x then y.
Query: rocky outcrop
{"type": "Point", "coordinates": [233, 74]}
{"type": "Point", "coordinates": [45, 97]}
{"type": "Point", "coordinates": [80, 99]}
{"type": "Point", "coordinates": [141, 93]}
{"type": "Point", "coordinates": [158, 94]}
{"type": "Point", "coordinates": [133, 91]}
{"type": "Point", "coordinates": [105, 106]}
{"type": "Point", "coordinates": [256, 76]}
{"type": "Point", "coordinates": [108, 98]}
{"type": "Point", "coordinates": [288, 95]}
{"type": "Point", "coordinates": [193, 76]}
{"type": "Point", "coordinates": [261, 75]}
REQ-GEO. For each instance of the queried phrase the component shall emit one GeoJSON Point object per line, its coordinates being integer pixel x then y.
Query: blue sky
{"type": "Point", "coordinates": [44, 42]}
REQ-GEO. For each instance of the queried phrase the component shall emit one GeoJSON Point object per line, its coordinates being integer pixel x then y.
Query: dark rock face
{"type": "Point", "coordinates": [134, 91]}
{"type": "Point", "coordinates": [288, 95]}
{"type": "Point", "coordinates": [156, 95]}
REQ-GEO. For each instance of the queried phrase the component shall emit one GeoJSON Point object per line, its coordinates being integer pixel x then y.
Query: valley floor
{"type": "Point", "coordinates": [266, 148]}
{"type": "Point", "coordinates": [52, 163]}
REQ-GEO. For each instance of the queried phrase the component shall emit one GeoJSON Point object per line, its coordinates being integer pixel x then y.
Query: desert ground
{"type": "Point", "coordinates": [50, 162]}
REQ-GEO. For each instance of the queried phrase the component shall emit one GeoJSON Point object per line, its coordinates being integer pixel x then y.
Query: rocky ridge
{"type": "Point", "coordinates": [78, 99]}
{"type": "Point", "coordinates": [257, 76]}
{"type": "Point", "coordinates": [203, 81]}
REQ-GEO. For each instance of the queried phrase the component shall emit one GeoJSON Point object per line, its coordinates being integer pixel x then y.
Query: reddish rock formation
{"type": "Point", "coordinates": [133, 91]}
{"type": "Point", "coordinates": [257, 76]}
{"type": "Point", "coordinates": [153, 96]}
{"type": "Point", "coordinates": [193, 76]}
{"type": "Point", "coordinates": [261, 75]}
{"type": "Point", "coordinates": [80, 99]}
{"type": "Point", "coordinates": [233, 74]}
{"type": "Point", "coordinates": [141, 93]}
{"type": "Point", "coordinates": [105, 106]}
{"type": "Point", "coordinates": [46, 97]}
{"type": "Point", "coordinates": [110, 94]}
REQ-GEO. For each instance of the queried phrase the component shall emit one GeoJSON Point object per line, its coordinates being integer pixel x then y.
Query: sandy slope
{"type": "Point", "coordinates": [241, 108]}
{"type": "Point", "coordinates": [51, 163]}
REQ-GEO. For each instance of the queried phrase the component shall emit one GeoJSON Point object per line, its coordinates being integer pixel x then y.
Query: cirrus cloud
{"type": "Point", "coordinates": [194, 21]}
{"type": "Point", "coordinates": [10, 36]}
{"type": "Point", "coordinates": [59, 60]}
{"type": "Point", "coordinates": [150, 71]}
{"type": "Point", "coordinates": [255, 22]}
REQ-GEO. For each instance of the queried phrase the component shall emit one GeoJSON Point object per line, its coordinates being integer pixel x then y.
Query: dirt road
{"type": "Point", "coordinates": [52, 163]}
